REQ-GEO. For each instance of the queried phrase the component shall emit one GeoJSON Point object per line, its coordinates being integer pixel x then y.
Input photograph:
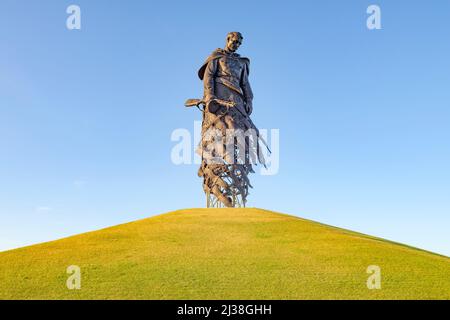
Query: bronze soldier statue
{"type": "Point", "coordinates": [230, 141]}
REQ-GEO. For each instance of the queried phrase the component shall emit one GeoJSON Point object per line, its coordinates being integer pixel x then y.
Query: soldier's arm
{"type": "Point", "coordinates": [208, 80]}
{"type": "Point", "coordinates": [247, 90]}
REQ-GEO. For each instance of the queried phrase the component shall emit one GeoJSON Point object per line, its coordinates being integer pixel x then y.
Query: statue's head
{"type": "Point", "coordinates": [234, 40]}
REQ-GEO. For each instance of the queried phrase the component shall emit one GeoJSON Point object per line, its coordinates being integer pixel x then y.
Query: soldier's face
{"type": "Point", "coordinates": [233, 43]}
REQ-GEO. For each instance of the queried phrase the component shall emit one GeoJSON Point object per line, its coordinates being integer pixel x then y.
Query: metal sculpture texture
{"type": "Point", "coordinates": [230, 142]}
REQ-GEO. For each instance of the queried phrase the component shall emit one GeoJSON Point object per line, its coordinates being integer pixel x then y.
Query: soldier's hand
{"type": "Point", "coordinates": [249, 108]}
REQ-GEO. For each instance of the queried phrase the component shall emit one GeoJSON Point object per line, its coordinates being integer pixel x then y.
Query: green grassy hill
{"type": "Point", "coordinates": [223, 254]}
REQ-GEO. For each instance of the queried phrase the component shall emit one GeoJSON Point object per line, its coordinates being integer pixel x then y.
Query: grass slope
{"type": "Point", "coordinates": [223, 254]}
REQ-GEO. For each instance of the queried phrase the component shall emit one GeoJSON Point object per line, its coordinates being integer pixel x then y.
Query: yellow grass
{"type": "Point", "coordinates": [223, 254]}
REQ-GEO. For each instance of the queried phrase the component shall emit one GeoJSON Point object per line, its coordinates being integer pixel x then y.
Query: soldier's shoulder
{"type": "Point", "coordinates": [214, 55]}
{"type": "Point", "coordinates": [245, 59]}
{"type": "Point", "coordinates": [217, 53]}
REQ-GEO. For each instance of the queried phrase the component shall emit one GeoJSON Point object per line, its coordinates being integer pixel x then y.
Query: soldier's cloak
{"type": "Point", "coordinates": [219, 53]}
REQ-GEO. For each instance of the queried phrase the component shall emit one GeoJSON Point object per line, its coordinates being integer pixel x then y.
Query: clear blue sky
{"type": "Point", "coordinates": [86, 116]}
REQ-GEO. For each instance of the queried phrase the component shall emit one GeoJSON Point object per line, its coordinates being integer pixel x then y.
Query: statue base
{"type": "Point", "coordinates": [213, 202]}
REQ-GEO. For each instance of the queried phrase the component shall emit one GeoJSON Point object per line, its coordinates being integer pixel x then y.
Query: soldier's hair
{"type": "Point", "coordinates": [235, 34]}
